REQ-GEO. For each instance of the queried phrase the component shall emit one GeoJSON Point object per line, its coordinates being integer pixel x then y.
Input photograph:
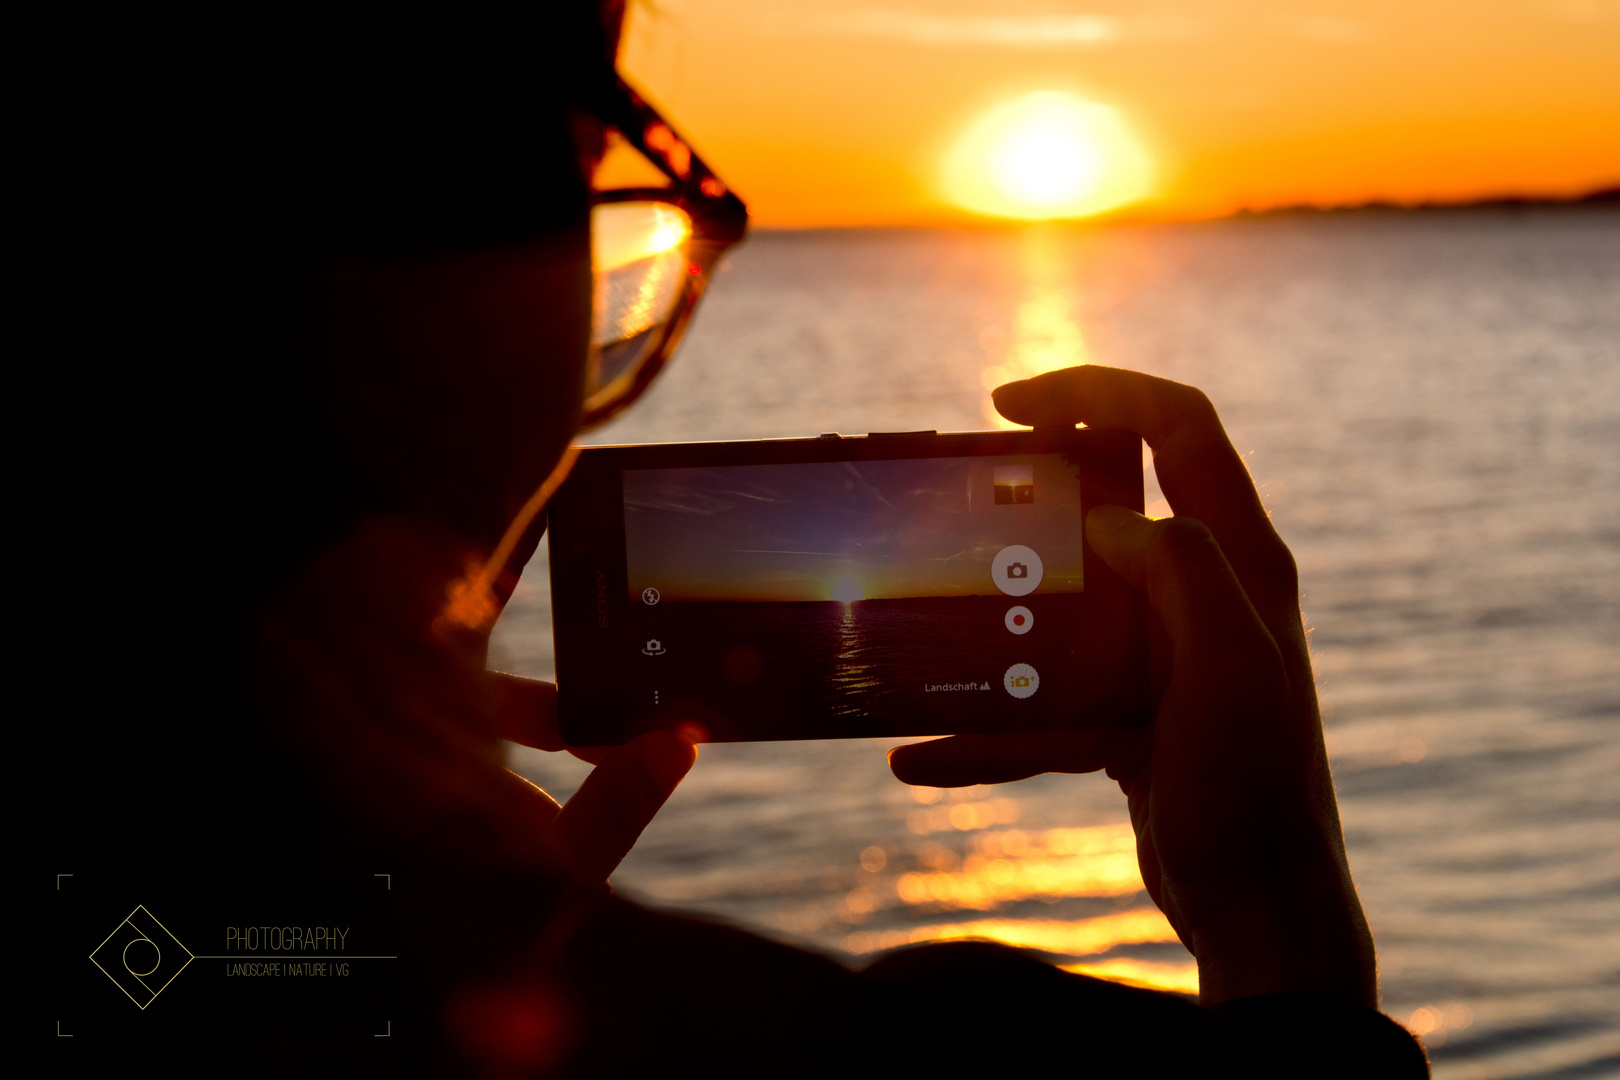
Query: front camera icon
{"type": "Point", "coordinates": [654, 647]}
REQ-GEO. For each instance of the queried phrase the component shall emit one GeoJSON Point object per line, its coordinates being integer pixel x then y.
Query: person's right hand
{"type": "Point", "coordinates": [1238, 833]}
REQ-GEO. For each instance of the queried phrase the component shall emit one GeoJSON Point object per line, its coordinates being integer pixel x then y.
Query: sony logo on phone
{"type": "Point", "coordinates": [601, 600]}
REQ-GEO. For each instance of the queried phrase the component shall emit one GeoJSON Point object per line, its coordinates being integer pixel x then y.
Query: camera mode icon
{"type": "Point", "coordinates": [1017, 570]}
{"type": "Point", "coordinates": [1021, 681]}
{"type": "Point", "coordinates": [654, 647]}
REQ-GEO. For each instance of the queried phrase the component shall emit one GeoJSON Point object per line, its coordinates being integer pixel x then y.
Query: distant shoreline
{"type": "Point", "coordinates": [1605, 198]}
{"type": "Point", "coordinates": [1602, 198]}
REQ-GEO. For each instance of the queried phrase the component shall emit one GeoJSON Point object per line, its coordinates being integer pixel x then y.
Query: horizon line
{"type": "Point", "coordinates": [1603, 197]}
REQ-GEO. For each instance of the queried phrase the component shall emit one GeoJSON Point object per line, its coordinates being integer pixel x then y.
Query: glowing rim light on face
{"type": "Point", "coordinates": [1047, 155]}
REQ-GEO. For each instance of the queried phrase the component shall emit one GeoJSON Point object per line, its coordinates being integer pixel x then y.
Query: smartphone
{"type": "Point", "coordinates": [908, 583]}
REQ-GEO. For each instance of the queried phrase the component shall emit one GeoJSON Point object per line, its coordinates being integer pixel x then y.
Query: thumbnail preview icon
{"type": "Point", "coordinates": [1015, 484]}
{"type": "Point", "coordinates": [1017, 570]}
{"type": "Point", "coordinates": [1019, 619]}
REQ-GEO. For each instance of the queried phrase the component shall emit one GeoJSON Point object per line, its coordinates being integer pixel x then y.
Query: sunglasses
{"type": "Point", "coordinates": [652, 249]}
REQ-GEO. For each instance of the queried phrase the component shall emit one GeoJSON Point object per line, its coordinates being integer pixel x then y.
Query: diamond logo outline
{"type": "Point", "coordinates": [140, 927]}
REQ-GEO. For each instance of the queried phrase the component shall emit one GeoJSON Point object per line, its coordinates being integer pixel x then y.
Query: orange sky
{"type": "Point", "coordinates": [839, 112]}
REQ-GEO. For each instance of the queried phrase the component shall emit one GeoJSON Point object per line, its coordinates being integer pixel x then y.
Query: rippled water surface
{"type": "Point", "coordinates": [1431, 407]}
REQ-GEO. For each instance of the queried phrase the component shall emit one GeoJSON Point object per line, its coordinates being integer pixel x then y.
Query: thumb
{"type": "Point", "coordinates": [1210, 621]}
{"type": "Point", "coordinates": [598, 826]}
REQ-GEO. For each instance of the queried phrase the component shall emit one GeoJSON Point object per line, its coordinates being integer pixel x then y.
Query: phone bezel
{"type": "Point", "coordinates": [589, 572]}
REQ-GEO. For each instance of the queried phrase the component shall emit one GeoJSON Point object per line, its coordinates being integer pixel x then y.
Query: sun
{"type": "Point", "coordinates": [1046, 155]}
{"type": "Point", "coordinates": [847, 592]}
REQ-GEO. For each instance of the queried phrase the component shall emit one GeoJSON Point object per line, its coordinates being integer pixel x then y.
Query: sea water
{"type": "Point", "coordinates": [1430, 406]}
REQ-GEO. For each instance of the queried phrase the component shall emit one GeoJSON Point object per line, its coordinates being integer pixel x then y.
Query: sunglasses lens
{"type": "Point", "coordinates": [640, 257]}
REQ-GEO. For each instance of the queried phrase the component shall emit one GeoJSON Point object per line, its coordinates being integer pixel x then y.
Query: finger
{"type": "Point", "coordinates": [526, 710]}
{"type": "Point", "coordinates": [600, 824]}
{"type": "Point", "coordinates": [997, 759]}
{"type": "Point", "coordinates": [1233, 732]}
{"type": "Point", "coordinates": [506, 582]}
{"type": "Point", "coordinates": [1201, 474]}
{"type": "Point", "coordinates": [1218, 642]}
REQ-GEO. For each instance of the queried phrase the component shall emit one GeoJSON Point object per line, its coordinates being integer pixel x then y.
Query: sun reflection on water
{"type": "Point", "coordinates": [997, 868]}
{"type": "Point", "coordinates": [850, 671]}
{"type": "Point", "coordinates": [963, 816]}
{"type": "Point", "coordinates": [1177, 978]}
{"type": "Point", "coordinates": [1430, 1022]}
{"type": "Point", "coordinates": [1046, 336]}
{"type": "Point", "coordinates": [1010, 866]}
{"type": "Point", "coordinates": [1065, 937]}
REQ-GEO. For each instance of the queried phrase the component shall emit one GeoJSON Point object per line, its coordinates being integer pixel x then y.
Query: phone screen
{"type": "Point", "coordinates": [838, 598]}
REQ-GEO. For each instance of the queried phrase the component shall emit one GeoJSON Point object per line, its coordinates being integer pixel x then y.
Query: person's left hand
{"type": "Point", "coordinates": [594, 830]}
{"type": "Point", "coordinates": [392, 713]}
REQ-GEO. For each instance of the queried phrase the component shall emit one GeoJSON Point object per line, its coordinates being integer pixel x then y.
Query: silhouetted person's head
{"type": "Point", "coordinates": [415, 205]}
{"type": "Point", "coordinates": [347, 277]}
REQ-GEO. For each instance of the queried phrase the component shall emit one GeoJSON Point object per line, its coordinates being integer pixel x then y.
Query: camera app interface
{"type": "Point", "coordinates": [900, 591]}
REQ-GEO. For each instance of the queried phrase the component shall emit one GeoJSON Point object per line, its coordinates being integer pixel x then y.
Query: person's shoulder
{"type": "Point", "coordinates": [1310, 1034]}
